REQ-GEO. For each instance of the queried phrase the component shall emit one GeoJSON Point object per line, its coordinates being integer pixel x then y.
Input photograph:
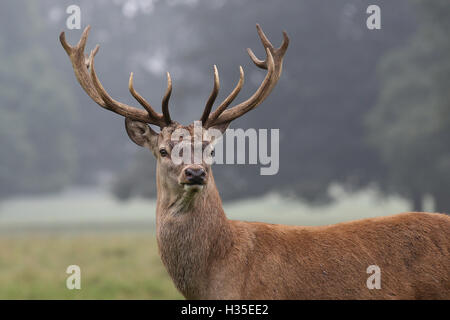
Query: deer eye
{"type": "Point", "coordinates": [213, 153]}
{"type": "Point", "coordinates": [163, 152]}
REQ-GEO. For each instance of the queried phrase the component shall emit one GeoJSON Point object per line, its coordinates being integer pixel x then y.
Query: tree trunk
{"type": "Point", "coordinates": [417, 204]}
{"type": "Point", "coordinates": [442, 202]}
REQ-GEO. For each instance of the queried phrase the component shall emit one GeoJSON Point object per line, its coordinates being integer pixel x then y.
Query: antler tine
{"type": "Point", "coordinates": [273, 63]}
{"type": "Point", "coordinates": [91, 56]}
{"type": "Point", "coordinates": [276, 53]}
{"type": "Point", "coordinates": [263, 36]}
{"type": "Point", "coordinates": [91, 84]}
{"type": "Point", "coordinates": [116, 106]}
{"type": "Point", "coordinates": [284, 45]}
{"type": "Point", "coordinates": [141, 100]}
{"type": "Point", "coordinates": [79, 64]}
{"type": "Point", "coordinates": [259, 63]}
{"type": "Point", "coordinates": [212, 97]}
{"type": "Point", "coordinates": [221, 108]}
{"type": "Point", "coordinates": [255, 99]}
{"type": "Point", "coordinates": [67, 47]}
{"type": "Point", "coordinates": [165, 101]}
{"type": "Point", "coordinates": [266, 43]}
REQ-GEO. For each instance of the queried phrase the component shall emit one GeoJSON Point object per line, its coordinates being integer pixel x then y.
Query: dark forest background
{"type": "Point", "coordinates": [357, 107]}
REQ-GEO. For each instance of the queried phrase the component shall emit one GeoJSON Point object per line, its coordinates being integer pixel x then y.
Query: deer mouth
{"type": "Point", "coordinates": [194, 183]}
{"type": "Point", "coordinates": [193, 186]}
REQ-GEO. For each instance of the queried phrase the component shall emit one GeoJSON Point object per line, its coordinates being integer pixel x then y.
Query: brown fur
{"type": "Point", "coordinates": [211, 257]}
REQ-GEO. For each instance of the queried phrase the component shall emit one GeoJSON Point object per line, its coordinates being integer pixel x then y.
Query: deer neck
{"type": "Point", "coordinates": [192, 233]}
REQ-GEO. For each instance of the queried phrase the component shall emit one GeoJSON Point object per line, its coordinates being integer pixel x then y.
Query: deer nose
{"type": "Point", "coordinates": [195, 175]}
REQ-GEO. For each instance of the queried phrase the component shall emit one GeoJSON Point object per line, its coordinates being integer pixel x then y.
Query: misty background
{"type": "Point", "coordinates": [364, 115]}
{"type": "Point", "coordinates": [355, 107]}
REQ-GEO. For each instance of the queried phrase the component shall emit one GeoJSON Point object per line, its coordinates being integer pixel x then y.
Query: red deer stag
{"type": "Point", "coordinates": [211, 257]}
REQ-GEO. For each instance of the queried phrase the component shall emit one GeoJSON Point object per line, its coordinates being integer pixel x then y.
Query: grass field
{"type": "Point", "coordinates": [114, 244]}
{"type": "Point", "coordinates": [113, 266]}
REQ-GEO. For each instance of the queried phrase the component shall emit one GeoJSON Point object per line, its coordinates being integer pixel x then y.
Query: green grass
{"type": "Point", "coordinates": [113, 266]}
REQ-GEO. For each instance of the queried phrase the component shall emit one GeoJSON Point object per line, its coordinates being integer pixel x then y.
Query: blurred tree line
{"type": "Point", "coordinates": [37, 110]}
{"type": "Point", "coordinates": [354, 106]}
{"type": "Point", "coordinates": [410, 125]}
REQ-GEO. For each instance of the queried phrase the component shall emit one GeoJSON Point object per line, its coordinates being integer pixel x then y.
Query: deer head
{"type": "Point", "coordinates": [176, 177]}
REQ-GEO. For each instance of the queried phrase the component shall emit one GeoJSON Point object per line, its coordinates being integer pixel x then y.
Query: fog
{"type": "Point", "coordinates": [365, 110]}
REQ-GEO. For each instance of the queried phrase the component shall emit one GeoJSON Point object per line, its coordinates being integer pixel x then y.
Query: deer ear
{"type": "Point", "coordinates": [140, 133]}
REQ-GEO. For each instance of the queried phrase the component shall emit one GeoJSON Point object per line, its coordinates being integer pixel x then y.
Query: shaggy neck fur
{"type": "Point", "coordinates": [192, 233]}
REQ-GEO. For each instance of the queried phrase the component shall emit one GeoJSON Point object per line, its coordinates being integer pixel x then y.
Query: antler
{"type": "Point", "coordinates": [91, 84]}
{"type": "Point", "coordinates": [273, 64]}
